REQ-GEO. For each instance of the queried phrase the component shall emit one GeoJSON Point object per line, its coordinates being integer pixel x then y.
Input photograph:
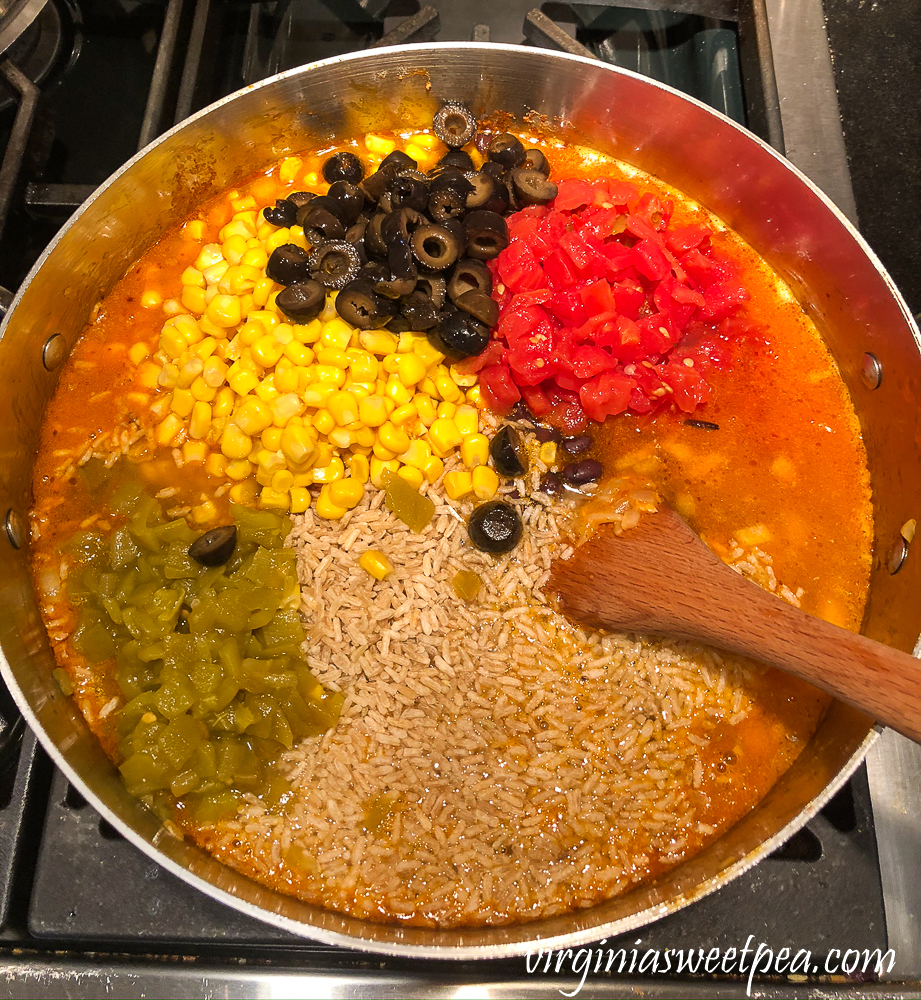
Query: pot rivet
{"type": "Point", "coordinates": [871, 371]}
{"type": "Point", "coordinates": [897, 555]}
{"type": "Point", "coordinates": [15, 529]}
{"type": "Point", "coordinates": [54, 351]}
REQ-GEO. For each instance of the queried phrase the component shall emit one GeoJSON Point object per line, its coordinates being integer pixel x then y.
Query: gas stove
{"type": "Point", "coordinates": [81, 910]}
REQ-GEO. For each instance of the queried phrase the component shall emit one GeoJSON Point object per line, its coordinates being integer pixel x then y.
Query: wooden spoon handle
{"type": "Point", "coordinates": [879, 680]}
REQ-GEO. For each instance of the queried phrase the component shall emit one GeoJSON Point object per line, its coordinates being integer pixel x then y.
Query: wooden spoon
{"type": "Point", "coordinates": [659, 577]}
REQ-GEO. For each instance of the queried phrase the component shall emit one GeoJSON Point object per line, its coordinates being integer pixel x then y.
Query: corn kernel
{"type": "Point", "coordinates": [412, 476]}
{"type": "Point", "coordinates": [410, 369]}
{"type": "Point", "coordinates": [364, 438]}
{"type": "Point", "coordinates": [332, 357]}
{"type": "Point", "coordinates": [282, 481]}
{"type": "Point", "coordinates": [239, 468]}
{"type": "Point", "coordinates": [433, 469]}
{"type": "Point", "coordinates": [393, 438]}
{"type": "Point", "coordinates": [475, 397]}
{"type": "Point", "coordinates": [193, 277]}
{"type": "Point", "coordinates": [182, 402]}
{"type": "Point", "coordinates": [148, 375]}
{"type": "Point", "coordinates": [329, 473]}
{"type": "Point", "coordinates": [289, 168]}
{"type": "Point", "coordinates": [331, 375]}
{"type": "Point", "coordinates": [403, 414]}
{"type": "Point", "coordinates": [464, 380]}
{"type": "Point", "coordinates": [378, 341]}
{"type": "Point", "coordinates": [448, 389]}
{"type": "Point", "coordinates": [458, 484]}
{"type": "Point", "coordinates": [326, 508]}
{"type": "Point", "coordinates": [467, 418]}
{"type": "Point", "coordinates": [397, 392]}
{"type": "Point", "coordinates": [358, 468]}
{"type": "Point", "coordinates": [379, 145]}
{"type": "Point", "coordinates": [374, 561]}
{"type": "Point", "coordinates": [200, 421]}
{"type": "Point", "coordinates": [168, 429]}
{"type": "Point", "coordinates": [215, 464]}
{"type": "Point", "coordinates": [298, 354]}
{"type": "Point", "coordinates": [485, 482]}
{"type": "Point", "coordinates": [224, 402]}
{"type": "Point", "coordinates": [379, 468]}
{"type": "Point", "coordinates": [252, 416]}
{"type": "Point", "coordinates": [270, 498]}
{"type": "Point", "coordinates": [244, 493]}
{"type": "Point", "coordinates": [202, 391]}
{"type": "Point", "coordinates": [265, 389]}
{"type": "Point", "coordinates": [234, 443]}
{"type": "Point", "coordinates": [416, 152]}
{"type": "Point", "coordinates": [209, 254]}
{"type": "Point", "coordinates": [286, 377]}
{"type": "Point", "coordinates": [382, 452]}
{"type": "Point", "coordinates": [151, 299]}
{"type": "Point", "coordinates": [308, 333]}
{"type": "Point", "coordinates": [427, 385]}
{"type": "Point", "coordinates": [417, 454]}
{"type": "Point", "coordinates": [447, 410]}
{"type": "Point", "coordinates": [324, 421]}
{"type": "Point", "coordinates": [372, 411]}
{"type": "Point", "coordinates": [194, 451]}
{"type": "Point", "coordinates": [300, 499]}
{"type": "Point", "coordinates": [204, 512]}
{"type": "Point", "coordinates": [137, 353]}
{"type": "Point", "coordinates": [426, 353]}
{"type": "Point", "coordinates": [474, 450]}
{"type": "Point", "coordinates": [194, 230]}
{"type": "Point", "coordinates": [547, 452]}
{"type": "Point", "coordinates": [270, 439]}
{"type": "Point", "coordinates": [336, 333]}
{"type": "Point", "coordinates": [346, 493]}
{"type": "Point", "coordinates": [425, 408]}
{"type": "Point", "coordinates": [363, 366]}
{"type": "Point", "coordinates": [443, 435]}
{"type": "Point", "coordinates": [213, 274]}
{"type": "Point", "coordinates": [267, 350]}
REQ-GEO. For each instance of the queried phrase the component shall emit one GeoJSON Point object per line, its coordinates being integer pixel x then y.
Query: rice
{"type": "Point", "coordinates": [492, 761]}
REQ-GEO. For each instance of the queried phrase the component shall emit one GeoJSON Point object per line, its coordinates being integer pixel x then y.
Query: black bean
{"type": "Point", "coordinates": [589, 470]}
{"type": "Point", "coordinates": [551, 483]}
{"type": "Point", "coordinates": [577, 445]}
{"type": "Point", "coordinates": [545, 434]}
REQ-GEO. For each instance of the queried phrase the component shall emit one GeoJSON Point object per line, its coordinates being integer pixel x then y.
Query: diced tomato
{"type": "Point", "coordinates": [495, 351]}
{"type": "Point", "coordinates": [688, 387]}
{"type": "Point", "coordinates": [619, 193]}
{"type": "Point", "coordinates": [560, 270]}
{"type": "Point", "coordinates": [597, 297]}
{"type": "Point", "coordinates": [629, 297]}
{"type": "Point", "coordinates": [573, 193]}
{"type": "Point", "coordinates": [686, 238]}
{"type": "Point", "coordinates": [536, 400]}
{"type": "Point", "coordinates": [519, 268]}
{"type": "Point", "coordinates": [649, 260]}
{"type": "Point", "coordinates": [606, 395]}
{"type": "Point", "coordinates": [720, 299]}
{"type": "Point", "coordinates": [567, 306]}
{"type": "Point", "coordinates": [499, 389]}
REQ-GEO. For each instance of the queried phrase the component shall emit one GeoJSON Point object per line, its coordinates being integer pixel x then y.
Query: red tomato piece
{"type": "Point", "coordinates": [649, 260]}
{"type": "Point", "coordinates": [573, 193]}
{"type": "Point", "coordinates": [520, 269]}
{"type": "Point", "coordinates": [500, 391]}
{"type": "Point", "coordinates": [606, 395]}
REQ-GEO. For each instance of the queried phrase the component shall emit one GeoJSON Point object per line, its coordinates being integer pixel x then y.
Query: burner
{"type": "Point", "coordinates": [49, 43]}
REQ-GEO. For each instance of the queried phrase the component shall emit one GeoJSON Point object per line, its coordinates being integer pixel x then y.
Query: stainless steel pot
{"type": "Point", "coordinates": [835, 276]}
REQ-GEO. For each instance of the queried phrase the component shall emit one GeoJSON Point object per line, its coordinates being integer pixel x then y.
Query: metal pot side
{"type": "Point", "coordinates": [831, 271]}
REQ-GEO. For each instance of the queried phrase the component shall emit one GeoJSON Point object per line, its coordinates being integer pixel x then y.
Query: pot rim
{"type": "Point", "coordinates": [395, 947]}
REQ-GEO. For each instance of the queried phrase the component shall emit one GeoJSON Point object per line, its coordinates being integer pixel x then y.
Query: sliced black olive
{"type": "Point", "coordinates": [508, 455]}
{"type": "Point", "coordinates": [355, 235]}
{"type": "Point", "coordinates": [446, 203]}
{"type": "Point", "coordinates": [577, 445]}
{"type": "Point", "coordinates": [433, 287]}
{"type": "Point", "coordinates": [469, 276]}
{"type": "Point", "coordinates": [288, 264]}
{"type": "Point", "coordinates": [349, 198]}
{"type": "Point", "coordinates": [300, 198]}
{"type": "Point", "coordinates": [495, 527]}
{"type": "Point", "coordinates": [589, 470]}
{"type": "Point", "coordinates": [374, 237]}
{"type": "Point", "coordinates": [214, 547]}
{"type": "Point", "coordinates": [374, 271]}
{"type": "Point", "coordinates": [495, 170]}
{"type": "Point", "coordinates": [534, 159]}
{"type": "Point", "coordinates": [435, 247]}
{"type": "Point", "coordinates": [488, 193]}
{"type": "Point", "coordinates": [398, 162]}
{"type": "Point", "coordinates": [452, 178]}
{"type": "Point", "coordinates": [398, 324]}
{"type": "Point", "coordinates": [454, 125]}
{"type": "Point", "coordinates": [320, 224]}
{"type": "Point", "coordinates": [458, 335]}
{"type": "Point", "coordinates": [507, 150]}
{"type": "Point", "coordinates": [409, 192]}
{"type": "Point", "coordinates": [400, 259]}
{"type": "Point", "coordinates": [334, 263]}
{"type": "Point", "coordinates": [343, 167]}
{"type": "Point", "coordinates": [479, 306]}
{"type": "Point", "coordinates": [283, 214]}
{"type": "Point", "coordinates": [458, 159]}
{"type": "Point", "coordinates": [532, 187]}
{"type": "Point", "coordinates": [419, 311]}
{"type": "Point", "coordinates": [487, 234]}
{"type": "Point", "coordinates": [404, 221]}
{"type": "Point", "coordinates": [357, 303]}
{"type": "Point", "coordinates": [302, 302]}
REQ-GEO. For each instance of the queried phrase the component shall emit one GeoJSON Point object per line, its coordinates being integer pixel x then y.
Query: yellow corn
{"type": "Point", "coordinates": [474, 450]}
{"type": "Point", "coordinates": [194, 451]}
{"type": "Point", "coordinates": [168, 430]}
{"type": "Point", "coordinates": [410, 369]}
{"type": "Point", "coordinates": [151, 299]}
{"type": "Point", "coordinates": [427, 354]}
{"type": "Point", "coordinates": [458, 484]}
{"type": "Point", "coordinates": [271, 498]}
{"type": "Point", "coordinates": [182, 402]}
{"type": "Point", "coordinates": [239, 469]}
{"type": "Point", "coordinates": [379, 468]}
{"type": "Point", "coordinates": [271, 438]}
{"type": "Point", "coordinates": [446, 410]}
{"type": "Point", "coordinates": [443, 436]}
{"type": "Point", "coordinates": [346, 493]}
{"type": "Point", "coordinates": [412, 476]}
{"type": "Point", "coordinates": [379, 145]}
{"type": "Point", "coordinates": [244, 493]}
{"type": "Point", "coordinates": [425, 408]}
{"type": "Point", "coordinates": [433, 469]}
{"type": "Point", "coordinates": [137, 353]}
{"type": "Point", "coordinates": [378, 342]}
{"type": "Point", "coordinates": [359, 468]}
{"type": "Point", "coordinates": [417, 454]}
{"type": "Point", "coordinates": [485, 482]}
{"type": "Point", "coordinates": [372, 411]}
{"type": "Point", "coordinates": [393, 438]}
{"type": "Point", "coordinates": [234, 443]}
{"type": "Point", "coordinates": [467, 419]}
{"type": "Point", "coordinates": [329, 473]}
{"type": "Point", "coordinates": [547, 452]}
{"type": "Point", "coordinates": [300, 499]}
{"type": "Point", "coordinates": [252, 416]}
{"type": "Point", "coordinates": [200, 422]}
{"type": "Point", "coordinates": [374, 561]}
{"type": "Point", "coordinates": [215, 464]}
{"type": "Point", "coordinates": [326, 508]}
